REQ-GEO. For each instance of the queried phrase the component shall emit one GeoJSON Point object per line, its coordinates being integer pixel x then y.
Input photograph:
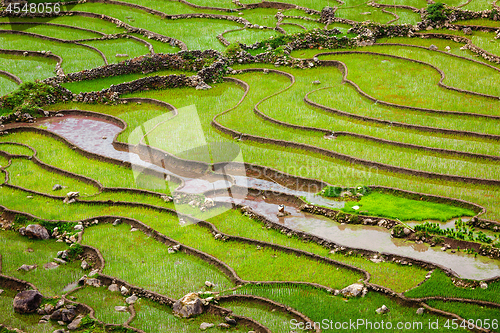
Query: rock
{"type": "Point", "coordinates": [121, 55]}
{"type": "Point", "coordinates": [113, 287]}
{"type": "Point", "coordinates": [93, 282]}
{"type": "Point", "coordinates": [467, 31]}
{"type": "Point", "coordinates": [209, 284]}
{"type": "Point", "coordinates": [230, 321]}
{"type": "Point", "coordinates": [132, 299]}
{"type": "Point", "coordinates": [75, 324]}
{"type": "Point", "coordinates": [433, 47]}
{"type": "Point", "coordinates": [406, 231]}
{"type": "Point", "coordinates": [117, 222]}
{"type": "Point", "coordinates": [85, 265]}
{"type": "Point", "coordinates": [27, 301]}
{"type": "Point", "coordinates": [188, 306]}
{"type": "Point", "coordinates": [383, 309]}
{"type": "Point", "coordinates": [60, 304]}
{"type": "Point", "coordinates": [27, 268]}
{"type": "Point", "coordinates": [133, 229]}
{"type": "Point", "coordinates": [124, 290]}
{"type": "Point", "coordinates": [447, 48]}
{"type": "Point", "coordinates": [60, 261]}
{"type": "Point", "coordinates": [57, 187]}
{"type": "Point", "coordinates": [56, 315]}
{"type": "Point", "coordinates": [35, 231]}
{"type": "Point", "coordinates": [316, 82]}
{"type": "Point", "coordinates": [353, 290]}
{"type": "Point", "coordinates": [78, 227]}
{"type": "Point", "coordinates": [68, 315]}
{"type": "Point", "coordinates": [205, 326]}
{"type": "Point", "coordinates": [49, 308]}
{"type": "Point", "coordinates": [203, 86]}
{"type": "Point", "coordinates": [45, 318]}
{"type": "Point", "coordinates": [483, 285]}
{"type": "Point", "coordinates": [420, 311]}
{"type": "Point", "coordinates": [218, 236]}
{"type": "Point", "coordinates": [50, 265]}
{"type": "Point", "coordinates": [121, 309]}
{"type": "Point", "coordinates": [224, 325]}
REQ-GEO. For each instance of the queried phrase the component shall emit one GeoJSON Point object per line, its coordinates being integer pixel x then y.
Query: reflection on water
{"type": "Point", "coordinates": [96, 135]}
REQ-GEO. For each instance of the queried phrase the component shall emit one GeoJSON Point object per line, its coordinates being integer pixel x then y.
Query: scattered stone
{"type": "Point", "coordinates": [203, 86]}
{"type": "Point", "coordinates": [406, 231]}
{"type": "Point", "coordinates": [467, 31]}
{"type": "Point", "coordinates": [316, 82]}
{"type": "Point", "coordinates": [224, 325]}
{"type": "Point", "coordinates": [133, 229]}
{"type": "Point", "coordinates": [366, 13]}
{"type": "Point", "coordinates": [117, 222]}
{"type": "Point", "coordinates": [218, 236]}
{"type": "Point", "coordinates": [93, 282]}
{"type": "Point", "coordinates": [383, 309]}
{"type": "Point", "coordinates": [27, 301]}
{"type": "Point", "coordinates": [483, 285]}
{"type": "Point", "coordinates": [121, 55]}
{"type": "Point", "coordinates": [121, 309]}
{"type": "Point", "coordinates": [78, 227]}
{"type": "Point", "coordinates": [124, 290]}
{"type": "Point", "coordinates": [230, 321]}
{"type": "Point", "coordinates": [353, 290]}
{"type": "Point", "coordinates": [75, 324]}
{"type": "Point", "coordinates": [447, 48]}
{"type": "Point", "coordinates": [209, 284]}
{"type": "Point", "coordinates": [50, 265]}
{"type": "Point", "coordinates": [49, 308]}
{"type": "Point", "coordinates": [72, 195]}
{"type": "Point", "coordinates": [35, 231]}
{"type": "Point", "coordinates": [188, 306]}
{"type": "Point", "coordinates": [60, 261]}
{"type": "Point", "coordinates": [27, 268]}
{"type": "Point", "coordinates": [57, 187]}
{"type": "Point", "coordinates": [60, 304]}
{"type": "Point", "coordinates": [85, 265]}
{"type": "Point", "coordinates": [420, 311]}
{"type": "Point", "coordinates": [131, 300]}
{"type": "Point", "coordinates": [67, 315]}
{"type": "Point", "coordinates": [113, 287]}
{"type": "Point", "coordinates": [433, 47]}
{"type": "Point", "coordinates": [205, 326]}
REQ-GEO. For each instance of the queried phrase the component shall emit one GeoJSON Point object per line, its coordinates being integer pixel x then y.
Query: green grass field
{"type": "Point", "coordinates": [447, 146]}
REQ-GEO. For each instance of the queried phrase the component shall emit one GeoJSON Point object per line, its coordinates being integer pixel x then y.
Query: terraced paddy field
{"type": "Point", "coordinates": [249, 166]}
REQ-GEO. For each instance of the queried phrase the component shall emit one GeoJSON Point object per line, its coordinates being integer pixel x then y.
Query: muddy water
{"type": "Point", "coordinates": [96, 135]}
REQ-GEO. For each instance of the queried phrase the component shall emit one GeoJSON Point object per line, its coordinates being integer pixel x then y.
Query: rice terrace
{"type": "Point", "coordinates": [249, 166]}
